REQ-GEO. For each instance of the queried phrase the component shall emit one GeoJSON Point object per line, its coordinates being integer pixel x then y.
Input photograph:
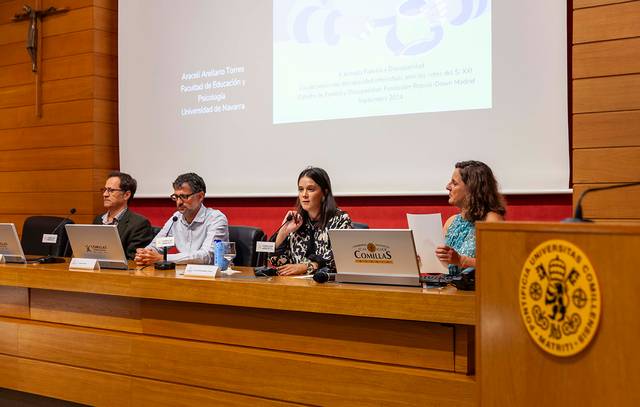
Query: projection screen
{"type": "Point", "coordinates": [385, 95]}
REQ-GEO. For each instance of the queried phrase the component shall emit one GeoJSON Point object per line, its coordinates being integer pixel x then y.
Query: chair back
{"type": "Point", "coordinates": [245, 238]}
{"type": "Point", "coordinates": [33, 229]}
{"type": "Point", "coordinates": [156, 230]}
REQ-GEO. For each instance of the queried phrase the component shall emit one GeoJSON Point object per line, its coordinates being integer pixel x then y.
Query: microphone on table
{"type": "Point", "coordinates": [323, 275]}
{"type": "Point", "coordinates": [164, 264]}
{"type": "Point", "coordinates": [266, 271]}
{"type": "Point", "coordinates": [577, 216]}
{"type": "Point", "coordinates": [50, 258]}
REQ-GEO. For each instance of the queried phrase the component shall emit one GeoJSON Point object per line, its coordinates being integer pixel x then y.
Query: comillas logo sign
{"type": "Point", "coordinates": [372, 253]}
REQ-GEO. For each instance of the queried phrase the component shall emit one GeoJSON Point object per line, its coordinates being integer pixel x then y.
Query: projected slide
{"type": "Point", "coordinates": [356, 58]}
{"type": "Point", "coordinates": [386, 95]}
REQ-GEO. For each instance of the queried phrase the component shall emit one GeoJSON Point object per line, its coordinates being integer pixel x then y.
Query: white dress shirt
{"type": "Point", "coordinates": [195, 240]}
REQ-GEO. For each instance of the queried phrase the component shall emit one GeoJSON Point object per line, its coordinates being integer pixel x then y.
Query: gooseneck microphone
{"type": "Point", "coordinates": [164, 264]}
{"type": "Point", "coordinates": [323, 275]}
{"type": "Point", "coordinates": [577, 216]}
{"type": "Point", "coordinates": [265, 270]}
{"type": "Point", "coordinates": [50, 258]}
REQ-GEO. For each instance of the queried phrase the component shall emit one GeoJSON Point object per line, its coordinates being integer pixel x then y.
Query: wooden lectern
{"type": "Point", "coordinates": [512, 370]}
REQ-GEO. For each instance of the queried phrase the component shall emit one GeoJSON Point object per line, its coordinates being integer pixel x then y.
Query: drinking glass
{"type": "Point", "coordinates": [229, 252]}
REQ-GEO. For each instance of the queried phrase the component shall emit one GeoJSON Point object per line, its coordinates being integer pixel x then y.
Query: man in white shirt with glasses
{"type": "Point", "coordinates": [195, 228]}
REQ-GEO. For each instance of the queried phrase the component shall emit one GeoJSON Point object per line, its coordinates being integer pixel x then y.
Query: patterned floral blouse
{"type": "Point", "coordinates": [461, 236]}
{"type": "Point", "coordinates": [310, 243]}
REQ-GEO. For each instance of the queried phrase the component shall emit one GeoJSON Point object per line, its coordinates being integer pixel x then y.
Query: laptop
{"type": "Point", "coordinates": [375, 256]}
{"type": "Point", "coordinates": [10, 246]}
{"type": "Point", "coordinates": [100, 242]}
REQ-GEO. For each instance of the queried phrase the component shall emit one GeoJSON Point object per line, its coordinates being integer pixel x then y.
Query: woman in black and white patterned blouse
{"type": "Point", "coordinates": [302, 243]}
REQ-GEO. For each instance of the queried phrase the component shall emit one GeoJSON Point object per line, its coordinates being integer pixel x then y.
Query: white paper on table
{"type": "Point", "coordinates": [427, 235]}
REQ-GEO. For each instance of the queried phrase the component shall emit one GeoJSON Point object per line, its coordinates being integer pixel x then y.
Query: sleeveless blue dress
{"type": "Point", "coordinates": [461, 236]}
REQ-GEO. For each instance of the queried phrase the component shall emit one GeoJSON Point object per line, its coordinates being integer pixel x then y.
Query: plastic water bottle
{"type": "Point", "coordinates": [220, 261]}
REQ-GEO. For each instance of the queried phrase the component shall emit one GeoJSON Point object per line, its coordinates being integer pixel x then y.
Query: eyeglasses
{"type": "Point", "coordinates": [183, 197]}
{"type": "Point", "coordinates": [109, 190]}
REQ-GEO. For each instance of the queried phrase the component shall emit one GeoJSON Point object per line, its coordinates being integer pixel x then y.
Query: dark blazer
{"type": "Point", "coordinates": [135, 231]}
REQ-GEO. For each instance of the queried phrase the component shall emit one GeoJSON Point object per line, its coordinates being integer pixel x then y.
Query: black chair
{"type": "Point", "coordinates": [358, 225]}
{"type": "Point", "coordinates": [156, 230]}
{"type": "Point", "coordinates": [245, 238]}
{"type": "Point", "coordinates": [33, 229]}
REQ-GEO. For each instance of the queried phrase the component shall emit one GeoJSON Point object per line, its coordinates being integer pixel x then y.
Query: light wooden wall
{"type": "Point", "coordinates": [606, 106]}
{"type": "Point", "coordinates": [58, 161]}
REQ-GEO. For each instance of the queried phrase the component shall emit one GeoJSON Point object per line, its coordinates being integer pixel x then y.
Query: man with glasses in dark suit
{"type": "Point", "coordinates": [134, 229]}
{"type": "Point", "coordinates": [195, 229]}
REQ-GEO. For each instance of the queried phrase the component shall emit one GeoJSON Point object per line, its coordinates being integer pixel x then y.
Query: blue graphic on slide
{"type": "Point", "coordinates": [354, 58]}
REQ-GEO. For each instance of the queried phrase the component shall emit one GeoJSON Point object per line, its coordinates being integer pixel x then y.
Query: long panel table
{"type": "Point", "coordinates": [150, 337]}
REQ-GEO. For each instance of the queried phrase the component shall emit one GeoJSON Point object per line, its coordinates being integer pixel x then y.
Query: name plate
{"type": "Point", "coordinates": [78, 263]}
{"type": "Point", "coordinates": [201, 270]}
{"type": "Point", "coordinates": [265, 247]}
{"type": "Point", "coordinates": [169, 241]}
{"type": "Point", "coordinates": [2, 259]}
{"type": "Point", "coordinates": [48, 238]}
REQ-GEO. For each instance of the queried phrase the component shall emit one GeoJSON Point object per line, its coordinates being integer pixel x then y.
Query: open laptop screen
{"type": "Point", "coordinates": [375, 256]}
{"type": "Point", "coordinates": [10, 246]}
{"type": "Point", "coordinates": [101, 242]}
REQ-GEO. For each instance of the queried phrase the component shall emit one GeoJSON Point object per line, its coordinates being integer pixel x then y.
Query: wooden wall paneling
{"type": "Point", "coordinates": [610, 93]}
{"type": "Point", "coordinates": [15, 75]}
{"type": "Point", "coordinates": [611, 129]}
{"type": "Point", "coordinates": [606, 58]}
{"type": "Point", "coordinates": [78, 111]}
{"type": "Point", "coordinates": [13, 54]}
{"type": "Point", "coordinates": [92, 310]}
{"type": "Point", "coordinates": [14, 302]}
{"type": "Point", "coordinates": [88, 87]}
{"type": "Point", "coordinates": [105, 134]}
{"type": "Point", "coordinates": [613, 204]}
{"type": "Point", "coordinates": [50, 202]}
{"type": "Point", "coordinates": [75, 20]}
{"type": "Point", "coordinates": [78, 19]}
{"type": "Point", "coordinates": [76, 180]}
{"type": "Point", "coordinates": [591, 3]}
{"type": "Point", "coordinates": [58, 158]}
{"type": "Point", "coordinates": [75, 4]}
{"type": "Point", "coordinates": [408, 343]}
{"type": "Point", "coordinates": [105, 111]}
{"type": "Point", "coordinates": [64, 382]}
{"type": "Point", "coordinates": [65, 135]}
{"type": "Point", "coordinates": [607, 22]}
{"type": "Point", "coordinates": [9, 8]}
{"type": "Point", "coordinates": [62, 45]}
{"type": "Point", "coordinates": [81, 42]}
{"type": "Point", "coordinates": [292, 377]}
{"type": "Point", "coordinates": [593, 165]}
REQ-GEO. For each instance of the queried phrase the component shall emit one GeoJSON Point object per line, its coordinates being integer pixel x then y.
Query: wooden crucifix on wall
{"type": "Point", "coordinates": [34, 38]}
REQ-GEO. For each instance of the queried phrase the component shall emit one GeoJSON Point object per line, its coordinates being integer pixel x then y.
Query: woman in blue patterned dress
{"type": "Point", "coordinates": [474, 190]}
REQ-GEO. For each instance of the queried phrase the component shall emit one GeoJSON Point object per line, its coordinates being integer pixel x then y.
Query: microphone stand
{"type": "Point", "coordinates": [164, 264]}
{"type": "Point", "coordinates": [49, 258]}
{"type": "Point", "coordinates": [265, 270]}
{"type": "Point", "coordinates": [577, 216]}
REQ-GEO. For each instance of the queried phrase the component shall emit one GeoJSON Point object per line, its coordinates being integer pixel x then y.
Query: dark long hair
{"type": "Point", "coordinates": [483, 196]}
{"type": "Point", "coordinates": [329, 207]}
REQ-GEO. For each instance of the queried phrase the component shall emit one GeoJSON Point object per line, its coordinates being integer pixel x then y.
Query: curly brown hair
{"type": "Point", "coordinates": [483, 196]}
